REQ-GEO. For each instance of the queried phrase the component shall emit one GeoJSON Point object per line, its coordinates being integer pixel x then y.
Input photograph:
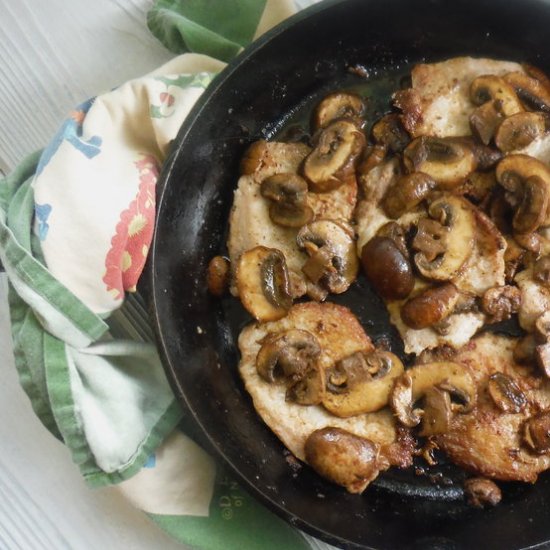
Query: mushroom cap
{"type": "Point", "coordinates": [343, 457]}
{"type": "Point", "coordinates": [430, 307]}
{"type": "Point", "coordinates": [387, 268]}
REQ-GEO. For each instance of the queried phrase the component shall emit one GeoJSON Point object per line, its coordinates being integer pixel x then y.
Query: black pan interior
{"type": "Point", "coordinates": [261, 94]}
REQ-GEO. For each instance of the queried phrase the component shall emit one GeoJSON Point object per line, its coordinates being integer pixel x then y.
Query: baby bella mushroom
{"type": "Point", "coordinates": [332, 162]}
{"type": "Point", "coordinates": [387, 267]}
{"type": "Point", "coordinates": [527, 181]}
{"type": "Point", "coordinates": [430, 306]}
{"type": "Point", "coordinates": [343, 457]}
{"type": "Point", "coordinates": [332, 264]}
{"type": "Point", "coordinates": [444, 240]}
{"type": "Point", "coordinates": [361, 382]}
{"type": "Point", "coordinates": [407, 192]}
{"type": "Point", "coordinates": [532, 92]}
{"type": "Point", "coordinates": [291, 356]}
{"type": "Point", "coordinates": [520, 130]}
{"type": "Point", "coordinates": [263, 283]}
{"type": "Point", "coordinates": [447, 160]}
{"type": "Point", "coordinates": [339, 105]}
{"type": "Point", "coordinates": [287, 194]}
{"type": "Point", "coordinates": [428, 381]}
{"type": "Point", "coordinates": [497, 100]}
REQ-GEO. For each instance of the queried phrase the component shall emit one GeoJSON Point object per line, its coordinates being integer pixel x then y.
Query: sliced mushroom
{"type": "Point", "coordinates": [486, 156]}
{"type": "Point", "coordinates": [513, 172]}
{"type": "Point", "coordinates": [437, 412]}
{"type": "Point", "coordinates": [332, 162]}
{"type": "Point", "coordinates": [520, 130]}
{"type": "Point", "coordinates": [446, 160]}
{"type": "Point", "coordinates": [406, 193]}
{"type": "Point", "coordinates": [387, 268]}
{"type": "Point", "coordinates": [487, 88]}
{"type": "Point", "coordinates": [413, 385]}
{"type": "Point", "coordinates": [481, 492]}
{"type": "Point", "coordinates": [532, 210]}
{"type": "Point", "coordinates": [288, 196]}
{"type": "Point", "coordinates": [500, 302]}
{"type": "Point", "coordinates": [497, 100]}
{"type": "Point", "coordinates": [485, 120]}
{"type": "Point", "coordinates": [343, 458]}
{"type": "Point", "coordinates": [506, 394]}
{"type": "Point", "coordinates": [217, 275]}
{"type": "Point", "coordinates": [361, 383]}
{"type": "Point", "coordinates": [445, 240]}
{"type": "Point", "coordinates": [289, 354]}
{"type": "Point", "coordinates": [310, 388]}
{"type": "Point", "coordinates": [532, 92]}
{"type": "Point", "coordinates": [332, 262]}
{"type": "Point", "coordinates": [430, 307]}
{"type": "Point", "coordinates": [389, 131]}
{"type": "Point", "coordinates": [263, 283]}
{"type": "Point", "coordinates": [537, 433]}
{"type": "Point", "coordinates": [339, 105]}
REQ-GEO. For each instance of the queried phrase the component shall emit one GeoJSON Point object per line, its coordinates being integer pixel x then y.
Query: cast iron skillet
{"type": "Point", "coordinates": [280, 75]}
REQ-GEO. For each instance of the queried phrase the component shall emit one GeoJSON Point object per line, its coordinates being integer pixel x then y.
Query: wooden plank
{"type": "Point", "coordinates": [56, 54]}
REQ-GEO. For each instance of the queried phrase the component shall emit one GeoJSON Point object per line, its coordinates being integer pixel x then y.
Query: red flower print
{"type": "Point", "coordinates": [130, 245]}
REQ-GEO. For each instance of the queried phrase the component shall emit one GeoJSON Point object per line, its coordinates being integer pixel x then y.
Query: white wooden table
{"type": "Point", "coordinates": [53, 55]}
